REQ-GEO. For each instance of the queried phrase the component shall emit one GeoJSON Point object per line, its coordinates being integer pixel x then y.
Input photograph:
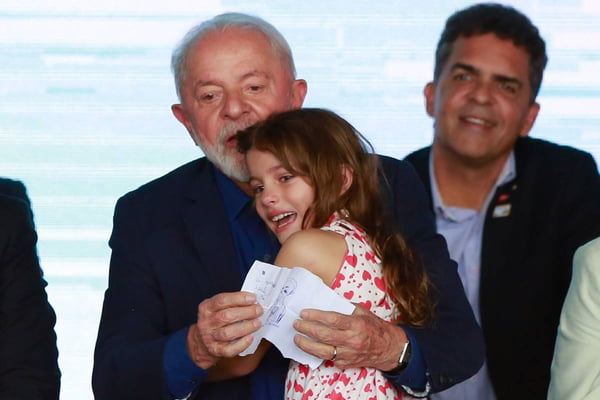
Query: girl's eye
{"type": "Point", "coordinates": [286, 178]}
{"type": "Point", "coordinates": [258, 189]}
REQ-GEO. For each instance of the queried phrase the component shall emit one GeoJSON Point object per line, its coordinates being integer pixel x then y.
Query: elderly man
{"type": "Point", "coordinates": [182, 245]}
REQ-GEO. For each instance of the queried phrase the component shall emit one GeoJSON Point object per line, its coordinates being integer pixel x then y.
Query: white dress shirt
{"type": "Point", "coordinates": [463, 229]}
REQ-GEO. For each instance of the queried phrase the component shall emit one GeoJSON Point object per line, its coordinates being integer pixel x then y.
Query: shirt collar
{"type": "Point", "coordinates": [234, 198]}
{"type": "Point", "coordinates": [508, 173]}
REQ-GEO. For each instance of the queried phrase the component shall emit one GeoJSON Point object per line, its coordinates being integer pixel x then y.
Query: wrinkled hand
{"type": "Point", "coordinates": [225, 324]}
{"type": "Point", "coordinates": [361, 339]}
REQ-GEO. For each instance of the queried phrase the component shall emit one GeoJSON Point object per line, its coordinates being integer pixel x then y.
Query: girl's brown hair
{"type": "Point", "coordinates": [317, 144]}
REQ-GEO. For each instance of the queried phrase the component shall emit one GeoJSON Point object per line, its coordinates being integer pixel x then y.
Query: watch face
{"type": "Point", "coordinates": [404, 356]}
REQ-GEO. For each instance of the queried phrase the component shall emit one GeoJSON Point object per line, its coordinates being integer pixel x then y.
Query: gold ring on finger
{"type": "Point", "coordinates": [334, 354]}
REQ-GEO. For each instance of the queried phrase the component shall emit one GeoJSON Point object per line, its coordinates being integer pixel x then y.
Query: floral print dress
{"type": "Point", "coordinates": [359, 280]}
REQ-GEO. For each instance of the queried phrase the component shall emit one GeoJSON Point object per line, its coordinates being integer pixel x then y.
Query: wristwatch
{"type": "Point", "coordinates": [403, 360]}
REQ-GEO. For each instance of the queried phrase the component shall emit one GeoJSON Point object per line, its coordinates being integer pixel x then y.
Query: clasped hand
{"type": "Point", "coordinates": [358, 340]}
{"type": "Point", "coordinates": [227, 321]}
{"type": "Point", "coordinates": [224, 327]}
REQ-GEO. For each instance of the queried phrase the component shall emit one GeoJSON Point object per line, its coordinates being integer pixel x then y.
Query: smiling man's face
{"type": "Point", "coordinates": [480, 103]}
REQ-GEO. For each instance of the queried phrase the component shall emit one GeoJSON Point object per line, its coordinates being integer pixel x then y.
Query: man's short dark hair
{"type": "Point", "coordinates": [503, 21]}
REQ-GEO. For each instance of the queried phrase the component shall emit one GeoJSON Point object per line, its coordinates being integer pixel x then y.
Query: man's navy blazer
{"type": "Point", "coordinates": [527, 256]}
{"type": "Point", "coordinates": [172, 248]}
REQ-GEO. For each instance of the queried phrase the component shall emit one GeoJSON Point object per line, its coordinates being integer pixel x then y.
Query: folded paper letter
{"type": "Point", "coordinates": [284, 293]}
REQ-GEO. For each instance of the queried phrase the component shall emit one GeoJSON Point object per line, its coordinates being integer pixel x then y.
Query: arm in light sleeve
{"type": "Point", "coordinates": [575, 371]}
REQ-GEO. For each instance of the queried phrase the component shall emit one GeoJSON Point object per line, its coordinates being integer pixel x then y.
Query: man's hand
{"type": "Point", "coordinates": [361, 339]}
{"type": "Point", "coordinates": [225, 324]}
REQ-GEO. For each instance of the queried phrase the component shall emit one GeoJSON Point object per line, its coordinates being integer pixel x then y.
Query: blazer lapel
{"type": "Point", "coordinates": [207, 224]}
{"type": "Point", "coordinates": [420, 161]}
{"type": "Point", "coordinates": [506, 222]}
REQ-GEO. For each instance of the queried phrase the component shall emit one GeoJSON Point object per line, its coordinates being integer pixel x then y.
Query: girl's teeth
{"type": "Point", "coordinates": [281, 216]}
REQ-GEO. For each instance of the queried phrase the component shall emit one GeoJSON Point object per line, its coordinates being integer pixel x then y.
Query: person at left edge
{"type": "Point", "coordinates": [575, 367]}
{"type": "Point", "coordinates": [182, 244]}
{"type": "Point", "coordinates": [15, 188]}
{"type": "Point", "coordinates": [28, 354]}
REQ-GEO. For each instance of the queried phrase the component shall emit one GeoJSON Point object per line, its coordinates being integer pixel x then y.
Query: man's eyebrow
{"type": "Point", "coordinates": [497, 77]}
{"type": "Point", "coordinates": [212, 82]}
{"type": "Point", "coordinates": [508, 79]}
{"type": "Point", "coordinates": [209, 82]}
{"type": "Point", "coordinates": [467, 67]}
{"type": "Point", "coordinates": [254, 73]}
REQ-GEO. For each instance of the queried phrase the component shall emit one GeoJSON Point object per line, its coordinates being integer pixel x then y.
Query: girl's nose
{"type": "Point", "coordinates": [269, 196]}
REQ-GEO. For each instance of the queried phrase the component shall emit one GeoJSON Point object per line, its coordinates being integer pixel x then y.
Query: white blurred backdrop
{"type": "Point", "coordinates": [85, 95]}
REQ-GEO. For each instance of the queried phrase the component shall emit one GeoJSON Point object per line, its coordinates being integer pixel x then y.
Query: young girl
{"type": "Point", "coordinates": [316, 188]}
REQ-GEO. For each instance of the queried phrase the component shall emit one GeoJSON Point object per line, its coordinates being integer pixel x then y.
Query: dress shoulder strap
{"type": "Point", "coordinates": [340, 226]}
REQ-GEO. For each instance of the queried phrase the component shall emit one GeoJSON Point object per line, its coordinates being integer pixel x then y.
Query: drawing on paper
{"type": "Point", "coordinates": [263, 288]}
{"type": "Point", "coordinates": [278, 310]}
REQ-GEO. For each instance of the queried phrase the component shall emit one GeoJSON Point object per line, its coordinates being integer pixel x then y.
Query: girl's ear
{"type": "Point", "coordinates": [347, 177]}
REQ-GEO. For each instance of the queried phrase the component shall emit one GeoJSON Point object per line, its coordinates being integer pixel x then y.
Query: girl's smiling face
{"type": "Point", "coordinates": [282, 198]}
